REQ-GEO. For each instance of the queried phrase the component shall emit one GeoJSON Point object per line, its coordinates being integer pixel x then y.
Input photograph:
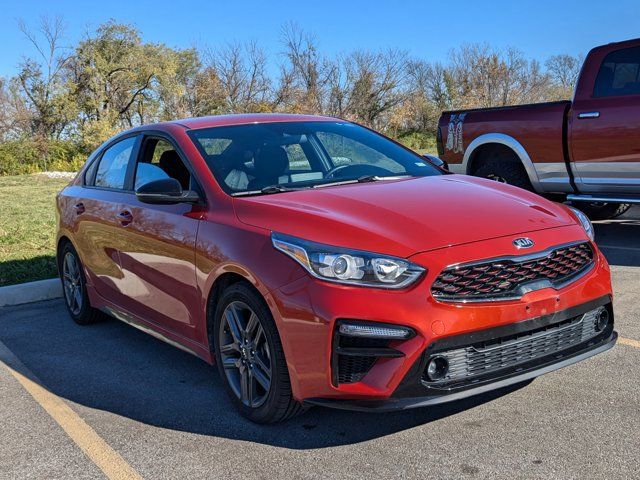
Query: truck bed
{"type": "Point", "coordinates": [538, 127]}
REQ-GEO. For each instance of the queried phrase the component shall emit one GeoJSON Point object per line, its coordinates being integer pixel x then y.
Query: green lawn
{"type": "Point", "coordinates": [27, 227]}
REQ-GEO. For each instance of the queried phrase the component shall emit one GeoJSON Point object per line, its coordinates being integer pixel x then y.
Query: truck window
{"type": "Point", "coordinates": [619, 74]}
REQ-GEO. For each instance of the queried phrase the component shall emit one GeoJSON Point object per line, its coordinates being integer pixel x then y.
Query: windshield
{"type": "Point", "coordinates": [273, 157]}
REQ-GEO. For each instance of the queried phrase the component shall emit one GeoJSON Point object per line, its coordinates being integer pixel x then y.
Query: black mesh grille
{"type": "Point", "coordinates": [353, 357]}
{"type": "Point", "coordinates": [352, 369]}
{"type": "Point", "coordinates": [480, 359]}
{"type": "Point", "coordinates": [502, 278]}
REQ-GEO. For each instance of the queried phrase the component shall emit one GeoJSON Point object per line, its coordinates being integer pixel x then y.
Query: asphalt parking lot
{"type": "Point", "coordinates": [108, 400]}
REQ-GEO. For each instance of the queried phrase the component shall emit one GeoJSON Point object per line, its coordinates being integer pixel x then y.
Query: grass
{"type": "Point", "coordinates": [27, 227]}
{"type": "Point", "coordinates": [420, 142]}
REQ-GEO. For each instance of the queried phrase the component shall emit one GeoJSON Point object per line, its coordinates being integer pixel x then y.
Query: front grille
{"type": "Point", "coordinates": [505, 278]}
{"type": "Point", "coordinates": [473, 361]}
{"type": "Point", "coordinates": [354, 357]}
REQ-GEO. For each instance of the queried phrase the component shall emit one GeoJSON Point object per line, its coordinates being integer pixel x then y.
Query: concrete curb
{"type": "Point", "coordinates": [30, 292]}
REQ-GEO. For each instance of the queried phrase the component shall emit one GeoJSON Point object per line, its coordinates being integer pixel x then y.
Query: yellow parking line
{"type": "Point", "coordinates": [628, 341]}
{"type": "Point", "coordinates": [85, 437]}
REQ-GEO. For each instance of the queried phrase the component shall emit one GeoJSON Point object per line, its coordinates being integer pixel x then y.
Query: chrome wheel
{"type": "Point", "coordinates": [245, 354]}
{"type": "Point", "coordinates": [72, 283]}
{"type": "Point", "coordinates": [497, 178]}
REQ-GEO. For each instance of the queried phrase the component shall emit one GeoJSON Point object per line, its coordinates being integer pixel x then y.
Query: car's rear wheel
{"type": "Point", "coordinates": [250, 358]}
{"type": "Point", "coordinates": [601, 210]}
{"type": "Point", "coordinates": [74, 287]}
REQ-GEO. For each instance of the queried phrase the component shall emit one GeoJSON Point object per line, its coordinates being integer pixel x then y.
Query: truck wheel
{"type": "Point", "coordinates": [505, 170]}
{"type": "Point", "coordinates": [601, 210]}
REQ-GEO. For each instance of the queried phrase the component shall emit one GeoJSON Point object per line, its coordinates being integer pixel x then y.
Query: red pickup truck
{"type": "Point", "coordinates": [586, 151]}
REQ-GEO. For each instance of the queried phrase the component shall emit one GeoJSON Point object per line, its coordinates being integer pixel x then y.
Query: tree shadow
{"type": "Point", "coordinates": [113, 367]}
{"type": "Point", "coordinates": [27, 269]}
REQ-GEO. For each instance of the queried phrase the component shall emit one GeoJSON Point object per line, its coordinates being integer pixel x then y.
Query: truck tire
{"type": "Point", "coordinates": [505, 169]}
{"type": "Point", "coordinates": [601, 210]}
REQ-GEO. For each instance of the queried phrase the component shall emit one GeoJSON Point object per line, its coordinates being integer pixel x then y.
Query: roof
{"type": "Point", "coordinates": [245, 118]}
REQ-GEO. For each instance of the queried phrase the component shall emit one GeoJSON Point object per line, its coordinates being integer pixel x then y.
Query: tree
{"type": "Point", "coordinates": [564, 71]}
{"type": "Point", "coordinates": [241, 73]}
{"type": "Point", "coordinates": [306, 71]}
{"type": "Point", "coordinates": [43, 81]}
{"type": "Point", "coordinates": [366, 86]}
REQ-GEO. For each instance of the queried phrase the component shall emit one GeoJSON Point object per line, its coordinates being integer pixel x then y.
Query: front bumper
{"type": "Point", "coordinates": [414, 392]}
{"type": "Point", "coordinates": [307, 311]}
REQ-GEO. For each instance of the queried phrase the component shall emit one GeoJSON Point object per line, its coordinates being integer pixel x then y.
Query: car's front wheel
{"type": "Point", "coordinates": [250, 358]}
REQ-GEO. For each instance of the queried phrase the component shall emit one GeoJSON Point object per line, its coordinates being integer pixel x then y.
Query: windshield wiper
{"type": "Point", "coordinates": [375, 178]}
{"type": "Point", "coordinates": [362, 179]}
{"type": "Point", "coordinates": [276, 189]}
{"type": "Point", "coordinates": [266, 191]}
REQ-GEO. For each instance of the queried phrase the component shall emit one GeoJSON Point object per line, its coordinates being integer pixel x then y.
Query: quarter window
{"type": "Point", "coordinates": [112, 169]}
{"type": "Point", "coordinates": [619, 74]}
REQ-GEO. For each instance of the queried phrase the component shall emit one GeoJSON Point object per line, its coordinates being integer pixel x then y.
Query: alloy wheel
{"type": "Point", "coordinates": [497, 178]}
{"type": "Point", "coordinates": [245, 354]}
{"type": "Point", "coordinates": [72, 283]}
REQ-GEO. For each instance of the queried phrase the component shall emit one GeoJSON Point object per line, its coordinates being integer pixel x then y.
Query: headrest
{"type": "Point", "coordinates": [270, 162]}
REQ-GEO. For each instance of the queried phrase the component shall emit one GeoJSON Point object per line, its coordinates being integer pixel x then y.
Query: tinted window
{"type": "Point", "coordinates": [249, 158]}
{"type": "Point", "coordinates": [112, 168]}
{"type": "Point", "coordinates": [160, 160]}
{"type": "Point", "coordinates": [619, 74]}
{"type": "Point", "coordinates": [348, 151]}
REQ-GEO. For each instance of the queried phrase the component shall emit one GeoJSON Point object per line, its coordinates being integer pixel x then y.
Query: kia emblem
{"type": "Point", "coordinates": [523, 242]}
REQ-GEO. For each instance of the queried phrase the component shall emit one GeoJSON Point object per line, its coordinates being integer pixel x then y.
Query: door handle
{"type": "Point", "coordinates": [125, 218]}
{"type": "Point", "coordinates": [589, 115]}
{"type": "Point", "coordinates": [79, 207]}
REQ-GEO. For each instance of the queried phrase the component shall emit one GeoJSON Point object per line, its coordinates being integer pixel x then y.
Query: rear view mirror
{"type": "Point", "coordinates": [165, 191]}
{"type": "Point", "coordinates": [438, 162]}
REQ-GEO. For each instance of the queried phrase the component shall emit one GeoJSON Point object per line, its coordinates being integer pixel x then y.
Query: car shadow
{"type": "Point", "coordinates": [618, 238]}
{"type": "Point", "coordinates": [116, 368]}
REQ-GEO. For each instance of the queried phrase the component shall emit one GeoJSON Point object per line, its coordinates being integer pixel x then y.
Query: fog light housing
{"type": "Point", "coordinates": [437, 368]}
{"type": "Point", "coordinates": [602, 320]}
{"type": "Point", "coordinates": [374, 330]}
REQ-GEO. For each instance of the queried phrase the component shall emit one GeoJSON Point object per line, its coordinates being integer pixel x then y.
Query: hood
{"type": "Point", "coordinates": [404, 217]}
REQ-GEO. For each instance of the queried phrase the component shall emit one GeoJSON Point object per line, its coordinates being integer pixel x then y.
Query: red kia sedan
{"type": "Point", "coordinates": [318, 262]}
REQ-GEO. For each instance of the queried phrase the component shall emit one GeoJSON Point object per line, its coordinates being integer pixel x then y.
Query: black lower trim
{"type": "Point", "coordinates": [398, 403]}
{"type": "Point", "coordinates": [412, 386]}
{"type": "Point", "coordinates": [456, 341]}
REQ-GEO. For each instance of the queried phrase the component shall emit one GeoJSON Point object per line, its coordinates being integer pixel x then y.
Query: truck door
{"type": "Point", "coordinates": [605, 126]}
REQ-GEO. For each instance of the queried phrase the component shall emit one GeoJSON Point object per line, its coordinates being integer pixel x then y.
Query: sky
{"type": "Point", "coordinates": [425, 29]}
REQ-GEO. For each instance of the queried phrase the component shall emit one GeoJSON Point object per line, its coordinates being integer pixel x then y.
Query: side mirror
{"type": "Point", "coordinates": [438, 162]}
{"type": "Point", "coordinates": [165, 191]}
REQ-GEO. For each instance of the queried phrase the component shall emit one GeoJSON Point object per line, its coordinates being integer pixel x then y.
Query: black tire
{"type": "Point", "coordinates": [275, 404]}
{"type": "Point", "coordinates": [79, 308]}
{"type": "Point", "coordinates": [505, 169]}
{"type": "Point", "coordinates": [602, 211]}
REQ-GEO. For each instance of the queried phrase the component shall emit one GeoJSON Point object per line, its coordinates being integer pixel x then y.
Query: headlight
{"type": "Point", "coordinates": [586, 223]}
{"type": "Point", "coordinates": [351, 267]}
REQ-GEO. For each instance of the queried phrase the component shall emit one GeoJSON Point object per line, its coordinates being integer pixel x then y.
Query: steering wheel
{"type": "Point", "coordinates": [356, 171]}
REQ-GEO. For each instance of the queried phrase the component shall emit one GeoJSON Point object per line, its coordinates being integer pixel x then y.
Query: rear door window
{"type": "Point", "coordinates": [619, 74]}
{"type": "Point", "coordinates": [112, 169]}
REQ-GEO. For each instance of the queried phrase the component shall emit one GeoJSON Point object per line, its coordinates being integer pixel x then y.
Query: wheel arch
{"type": "Point", "coordinates": [498, 140]}
{"type": "Point", "coordinates": [222, 282]}
{"type": "Point", "coordinates": [62, 242]}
